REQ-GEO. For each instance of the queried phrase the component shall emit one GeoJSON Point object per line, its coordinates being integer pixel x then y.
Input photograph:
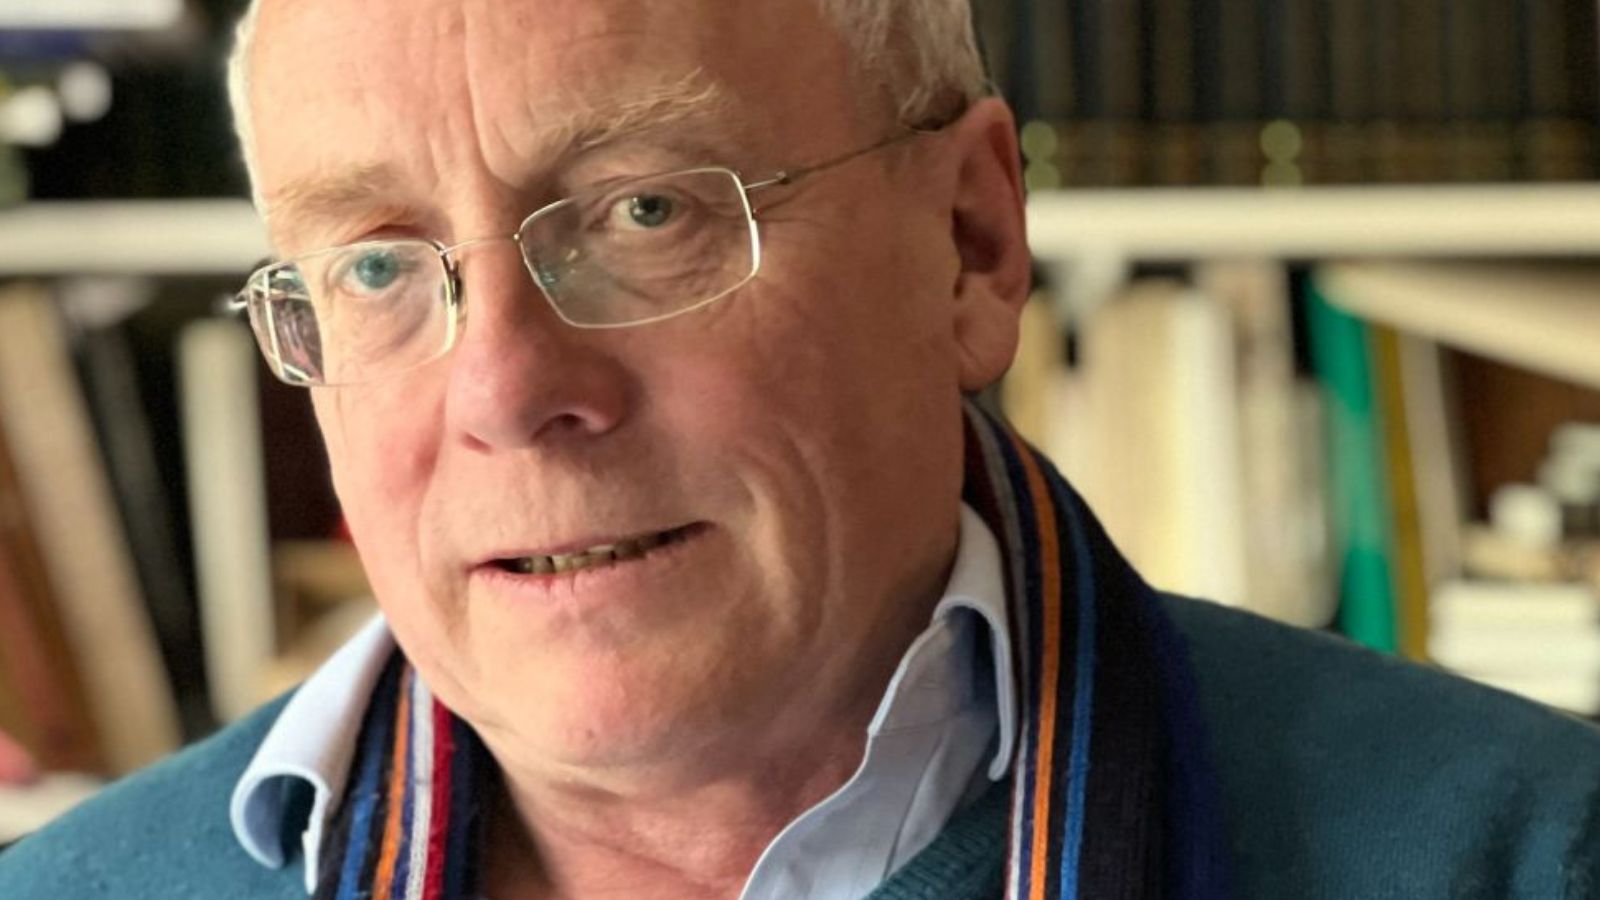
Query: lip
{"type": "Point", "coordinates": [572, 590]}
{"type": "Point", "coordinates": [583, 543]}
{"type": "Point", "coordinates": [679, 533]}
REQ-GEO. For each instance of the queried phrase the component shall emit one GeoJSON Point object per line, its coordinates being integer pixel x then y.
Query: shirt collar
{"type": "Point", "coordinates": [976, 583]}
{"type": "Point", "coordinates": [314, 738]}
{"type": "Point", "coordinates": [312, 743]}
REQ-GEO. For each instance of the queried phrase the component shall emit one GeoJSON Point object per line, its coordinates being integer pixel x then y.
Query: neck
{"type": "Point", "coordinates": [579, 839]}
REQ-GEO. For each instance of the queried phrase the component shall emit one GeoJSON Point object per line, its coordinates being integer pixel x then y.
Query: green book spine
{"type": "Point", "coordinates": [1358, 495]}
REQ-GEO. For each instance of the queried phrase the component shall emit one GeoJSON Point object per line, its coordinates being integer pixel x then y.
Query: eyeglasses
{"type": "Point", "coordinates": [623, 253]}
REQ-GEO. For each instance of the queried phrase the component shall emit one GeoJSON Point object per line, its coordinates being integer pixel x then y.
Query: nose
{"type": "Point", "coordinates": [520, 376]}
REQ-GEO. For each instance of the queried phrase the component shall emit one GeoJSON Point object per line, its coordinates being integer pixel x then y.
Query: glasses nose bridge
{"type": "Point", "coordinates": [452, 256]}
{"type": "Point", "coordinates": [451, 253]}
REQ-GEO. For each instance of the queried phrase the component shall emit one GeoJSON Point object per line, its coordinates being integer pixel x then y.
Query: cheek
{"type": "Point", "coordinates": [824, 383]}
{"type": "Point", "coordinates": [383, 447]}
{"type": "Point", "coordinates": [383, 443]}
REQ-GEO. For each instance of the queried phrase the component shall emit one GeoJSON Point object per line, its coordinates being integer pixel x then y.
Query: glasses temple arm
{"type": "Point", "coordinates": [791, 176]}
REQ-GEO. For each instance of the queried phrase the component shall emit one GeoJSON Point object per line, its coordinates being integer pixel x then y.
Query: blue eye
{"type": "Point", "coordinates": [378, 269]}
{"type": "Point", "coordinates": [645, 211]}
{"type": "Point", "coordinates": [651, 211]}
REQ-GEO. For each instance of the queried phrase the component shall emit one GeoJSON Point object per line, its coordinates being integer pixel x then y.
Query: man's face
{"type": "Point", "coordinates": [798, 441]}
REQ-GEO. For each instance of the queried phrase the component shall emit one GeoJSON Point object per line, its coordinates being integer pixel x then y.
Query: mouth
{"type": "Point", "coordinates": [599, 555]}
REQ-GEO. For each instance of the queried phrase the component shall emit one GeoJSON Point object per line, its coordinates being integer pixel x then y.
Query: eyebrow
{"type": "Point", "coordinates": [368, 188]}
{"type": "Point", "coordinates": [322, 198]}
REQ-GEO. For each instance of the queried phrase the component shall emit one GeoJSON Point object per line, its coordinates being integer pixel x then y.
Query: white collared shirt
{"type": "Point", "coordinates": [942, 712]}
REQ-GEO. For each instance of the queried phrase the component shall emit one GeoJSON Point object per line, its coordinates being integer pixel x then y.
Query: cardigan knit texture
{"type": "Point", "coordinates": [1345, 776]}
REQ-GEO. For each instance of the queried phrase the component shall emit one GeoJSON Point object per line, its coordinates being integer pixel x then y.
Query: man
{"type": "Point", "coordinates": [639, 333]}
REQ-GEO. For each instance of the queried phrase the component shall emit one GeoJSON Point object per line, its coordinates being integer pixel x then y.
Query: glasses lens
{"type": "Point", "coordinates": [354, 313]}
{"type": "Point", "coordinates": [644, 248]}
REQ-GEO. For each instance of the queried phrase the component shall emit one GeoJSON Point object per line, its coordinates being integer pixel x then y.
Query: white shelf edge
{"type": "Point", "coordinates": [224, 236]}
{"type": "Point", "coordinates": [134, 237]}
{"type": "Point", "coordinates": [1171, 224]}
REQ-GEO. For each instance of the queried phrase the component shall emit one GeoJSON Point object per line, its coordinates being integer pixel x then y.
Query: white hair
{"type": "Point", "coordinates": [922, 55]}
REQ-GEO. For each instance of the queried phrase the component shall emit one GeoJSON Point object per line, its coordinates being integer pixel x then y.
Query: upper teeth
{"type": "Point", "coordinates": [593, 556]}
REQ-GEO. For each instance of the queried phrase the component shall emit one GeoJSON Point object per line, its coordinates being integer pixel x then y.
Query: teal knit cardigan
{"type": "Point", "coordinates": [1345, 776]}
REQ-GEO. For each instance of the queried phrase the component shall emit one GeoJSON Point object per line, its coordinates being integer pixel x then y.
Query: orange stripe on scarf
{"type": "Point", "coordinates": [1049, 668]}
{"type": "Point", "coordinates": [383, 878]}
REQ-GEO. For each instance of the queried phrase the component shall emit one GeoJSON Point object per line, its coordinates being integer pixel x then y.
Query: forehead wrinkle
{"type": "Point", "coordinates": [688, 99]}
{"type": "Point", "coordinates": [692, 98]}
{"type": "Point", "coordinates": [573, 123]}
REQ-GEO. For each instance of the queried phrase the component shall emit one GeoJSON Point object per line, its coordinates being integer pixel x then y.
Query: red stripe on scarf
{"type": "Point", "coordinates": [439, 828]}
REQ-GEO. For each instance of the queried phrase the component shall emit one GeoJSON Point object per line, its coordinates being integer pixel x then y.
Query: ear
{"type": "Point", "coordinates": [989, 231]}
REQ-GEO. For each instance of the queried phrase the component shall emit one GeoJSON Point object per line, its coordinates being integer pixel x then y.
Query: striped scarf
{"type": "Point", "coordinates": [1112, 794]}
{"type": "Point", "coordinates": [408, 827]}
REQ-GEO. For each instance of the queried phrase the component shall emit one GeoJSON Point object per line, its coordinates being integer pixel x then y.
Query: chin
{"type": "Point", "coordinates": [598, 717]}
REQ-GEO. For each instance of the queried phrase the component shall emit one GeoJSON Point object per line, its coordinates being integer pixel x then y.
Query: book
{"type": "Point", "coordinates": [1234, 132]}
{"type": "Point", "coordinates": [1280, 469]}
{"type": "Point", "coordinates": [1405, 527]}
{"type": "Point", "coordinates": [1556, 131]}
{"type": "Point", "coordinates": [222, 439]}
{"type": "Point", "coordinates": [1535, 639]}
{"type": "Point", "coordinates": [1438, 465]}
{"type": "Point", "coordinates": [1050, 49]}
{"type": "Point", "coordinates": [100, 314]}
{"type": "Point", "coordinates": [1175, 151]}
{"type": "Point", "coordinates": [1347, 157]}
{"type": "Point", "coordinates": [1154, 409]}
{"type": "Point", "coordinates": [1422, 104]}
{"type": "Point", "coordinates": [43, 704]}
{"type": "Point", "coordinates": [69, 500]}
{"type": "Point", "coordinates": [1358, 490]}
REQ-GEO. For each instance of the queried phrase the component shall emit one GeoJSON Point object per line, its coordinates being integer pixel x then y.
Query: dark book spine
{"type": "Point", "coordinates": [1466, 88]}
{"type": "Point", "coordinates": [1234, 135]}
{"type": "Point", "coordinates": [1386, 52]}
{"type": "Point", "coordinates": [1051, 48]}
{"type": "Point", "coordinates": [109, 374]}
{"type": "Point", "coordinates": [1348, 155]}
{"type": "Point", "coordinates": [1294, 145]}
{"type": "Point", "coordinates": [1175, 144]}
{"type": "Point", "coordinates": [1101, 144]}
{"type": "Point", "coordinates": [1555, 132]}
{"type": "Point", "coordinates": [1423, 102]}
{"type": "Point", "coordinates": [1502, 22]}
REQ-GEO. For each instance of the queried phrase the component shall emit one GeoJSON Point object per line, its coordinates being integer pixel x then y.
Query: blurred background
{"type": "Point", "coordinates": [1316, 330]}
